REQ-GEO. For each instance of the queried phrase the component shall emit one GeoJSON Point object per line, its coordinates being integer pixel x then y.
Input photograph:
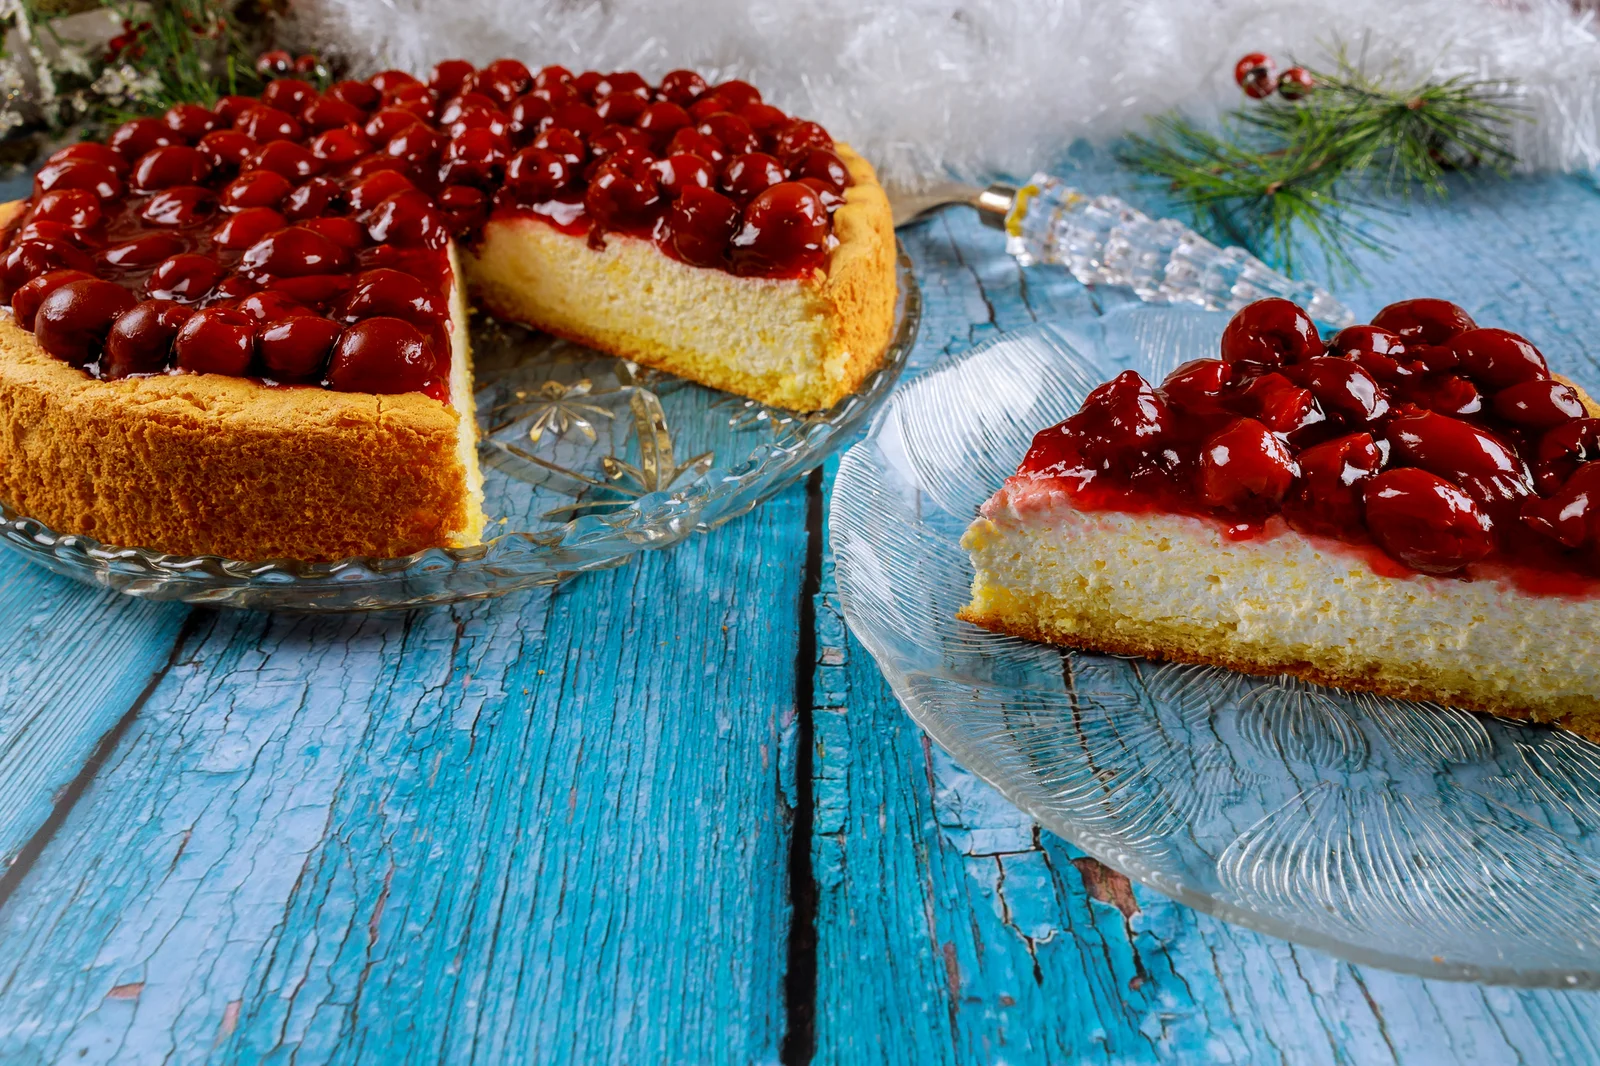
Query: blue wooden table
{"type": "Point", "coordinates": [665, 813]}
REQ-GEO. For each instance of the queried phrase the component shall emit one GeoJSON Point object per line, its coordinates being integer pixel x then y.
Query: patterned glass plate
{"type": "Point", "coordinates": [586, 459]}
{"type": "Point", "coordinates": [1405, 835]}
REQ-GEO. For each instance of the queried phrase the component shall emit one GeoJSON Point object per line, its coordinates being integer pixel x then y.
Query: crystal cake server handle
{"type": "Point", "coordinates": [1103, 240]}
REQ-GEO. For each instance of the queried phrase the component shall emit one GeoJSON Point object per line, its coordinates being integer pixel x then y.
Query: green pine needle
{"type": "Point", "coordinates": [1281, 171]}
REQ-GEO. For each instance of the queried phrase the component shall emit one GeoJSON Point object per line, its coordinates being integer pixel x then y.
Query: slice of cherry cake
{"type": "Point", "coordinates": [1410, 508]}
{"type": "Point", "coordinates": [240, 330]}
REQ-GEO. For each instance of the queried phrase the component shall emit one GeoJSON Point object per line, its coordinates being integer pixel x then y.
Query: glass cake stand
{"type": "Point", "coordinates": [587, 460]}
{"type": "Point", "coordinates": [1407, 835]}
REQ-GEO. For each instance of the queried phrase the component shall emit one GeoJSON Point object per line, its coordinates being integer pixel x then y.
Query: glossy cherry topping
{"type": "Point", "coordinates": [300, 237]}
{"type": "Point", "coordinates": [1446, 447]}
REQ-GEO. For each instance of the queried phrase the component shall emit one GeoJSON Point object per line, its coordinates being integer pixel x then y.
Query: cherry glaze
{"type": "Point", "coordinates": [263, 237]}
{"type": "Point", "coordinates": [1369, 438]}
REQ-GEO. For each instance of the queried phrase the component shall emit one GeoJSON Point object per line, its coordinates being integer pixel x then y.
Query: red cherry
{"type": "Point", "coordinates": [660, 121]}
{"type": "Point", "coordinates": [367, 193]}
{"type": "Point", "coordinates": [693, 142]}
{"type": "Point", "coordinates": [783, 226]}
{"type": "Point", "coordinates": [747, 175]}
{"type": "Point", "coordinates": [226, 149]}
{"type": "Point", "coordinates": [551, 76]}
{"type": "Point", "coordinates": [1269, 333]}
{"type": "Point", "coordinates": [1256, 74]}
{"type": "Point", "coordinates": [825, 165]}
{"type": "Point", "coordinates": [381, 355]}
{"type": "Point", "coordinates": [1448, 394]}
{"type": "Point", "coordinates": [529, 117]}
{"type": "Point", "coordinates": [287, 94]}
{"type": "Point", "coordinates": [145, 251]}
{"type": "Point", "coordinates": [708, 105]}
{"type": "Point", "coordinates": [1328, 497]}
{"type": "Point", "coordinates": [1498, 358]}
{"type": "Point", "coordinates": [83, 174]}
{"type": "Point", "coordinates": [580, 119]}
{"type": "Point", "coordinates": [372, 164]}
{"type": "Point", "coordinates": [137, 136]}
{"type": "Point", "coordinates": [1378, 351]}
{"type": "Point", "coordinates": [534, 175]}
{"type": "Point", "coordinates": [229, 108]}
{"type": "Point", "coordinates": [565, 144]}
{"type": "Point", "coordinates": [382, 127]}
{"type": "Point", "coordinates": [183, 206]}
{"type": "Point", "coordinates": [26, 260]}
{"type": "Point", "coordinates": [1426, 320]}
{"type": "Point", "coordinates": [447, 76]}
{"type": "Point", "coordinates": [276, 61]}
{"type": "Point", "coordinates": [1562, 449]}
{"type": "Point", "coordinates": [257, 188]}
{"type": "Point", "coordinates": [624, 193]}
{"type": "Point", "coordinates": [1245, 464]}
{"type": "Point", "coordinates": [1488, 469]}
{"type": "Point", "coordinates": [1571, 515]}
{"type": "Point", "coordinates": [621, 108]}
{"type": "Point", "coordinates": [265, 124]}
{"type": "Point", "coordinates": [345, 232]}
{"type": "Point", "coordinates": [187, 278]}
{"type": "Point", "coordinates": [732, 132]}
{"type": "Point", "coordinates": [44, 230]}
{"type": "Point", "coordinates": [77, 208]}
{"type": "Point", "coordinates": [509, 78]}
{"type": "Point", "coordinates": [92, 152]}
{"type": "Point", "coordinates": [140, 341]}
{"type": "Point", "coordinates": [234, 287]}
{"type": "Point", "coordinates": [622, 82]}
{"type": "Point", "coordinates": [392, 293]}
{"type": "Point", "coordinates": [388, 81]}
{"type": "Point", "coordinates": [1426, 522]}
{"type": "Point", "coordinates": [1538, 404]}
{"type": "Point", "coordinates": [296, 348]}
{"type": "Point", "coordinates": [699, 226]}
{"type": "Point", "coordinates": [474, 157]}
{"type": "Point", "coordinates": [26, 300]}
{"type": "Point", "coordinates": [293, 253]}
{"type": "Point", "coordinates": [189, 121]}
{"type": "Point", "coordinates": [417, 145]}
{"type": "Point", "coordinates": [312, 290]}
{"type": "Point", "coordinates": [682, 87]}
{"type": "Point", "coordinates": [1199, 386]}
{"type": "Point", "coordinates": [311, 199]}
{"type": "Point", "coordinates": [789, 141]}
{"type": "Point", "coordinates": [479, 117]}
{"type": "Point", "coordinates": [765, 119]}
{"type": "Point", "coordinates": [218, 340]}
{"type": "Point", "coordinates": [340, 146]}
{"type": "Point", "coordinates": [679, 172]}
{"type": "Point", "coordinates": [1280, 404]}
{"type": "Point", "coordinates": [738, 94]}
{"type": "Point", "coordinates": [247, 227]}
{"type": "Point", "coordinates": [1120, 425]}
{"type": "Point", "coordinates": [72, 322]}
{"type": "Point", "coordinates": [460, 105]}
{"type": "Point", "coordinates": [293, 161]}
{"type": "Point", "coordinates": [307, 64]}
{"type": "Point", "coordinates": [323, 113]}
{"type": "Point", "coordinates": [409, 220]}
{"type": "Point", "coordinates": [355, 93]}
{"type": "Point", "coordinates": [464, 207]}
{"type": "Point", "coordinates": [614, 139]}
{"type": "Point", "coordinates": [1342, 388]}
{"type": "Point", "coordinates": [268, 304]}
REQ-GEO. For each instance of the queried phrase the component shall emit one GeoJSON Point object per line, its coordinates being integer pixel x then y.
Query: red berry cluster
{"type": "Point", "coordinates": [1440, 442]}
{"type": "Point", "coordinates": [1257, 74]}
{"type": "Point", "coordinates": [300, 237]}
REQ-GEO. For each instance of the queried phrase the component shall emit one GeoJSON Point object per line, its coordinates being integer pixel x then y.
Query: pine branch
{"type": "Point", "coordinates": [1285, 171]}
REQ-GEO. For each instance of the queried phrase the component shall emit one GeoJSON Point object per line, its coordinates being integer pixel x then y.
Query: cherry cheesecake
{"type": "Point", "coordinates": [241, 330]}
{"type": "Point", "coordinates": [1410, 508]}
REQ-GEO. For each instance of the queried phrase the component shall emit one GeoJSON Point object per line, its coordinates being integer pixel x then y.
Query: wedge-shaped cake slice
{"type": "Point", "coordinates": [1412, 509]}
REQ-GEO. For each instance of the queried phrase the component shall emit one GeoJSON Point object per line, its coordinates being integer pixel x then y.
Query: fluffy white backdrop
{"type": "Point", "coordinates": [997, 86]}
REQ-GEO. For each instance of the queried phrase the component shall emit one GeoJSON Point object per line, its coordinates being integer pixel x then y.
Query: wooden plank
{"type": "Point", "coordinates": [547, 827]}
{"type": "Point", "coordinates": [76, 659]}
{"type": "Point", "coordinates": [951, 929]}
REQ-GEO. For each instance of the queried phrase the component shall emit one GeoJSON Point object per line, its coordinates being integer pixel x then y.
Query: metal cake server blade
{"type": "Point", "coordinates": [1103, 240]}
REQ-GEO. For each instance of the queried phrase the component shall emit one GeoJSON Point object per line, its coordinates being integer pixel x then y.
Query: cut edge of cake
{"type": "Point", "coordinates": [798, 343]}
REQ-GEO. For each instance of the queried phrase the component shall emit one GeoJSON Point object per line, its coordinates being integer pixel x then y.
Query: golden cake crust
{"type": "Point", "coordinates": [206, 464]}
{"type": "Point", "coordinates": [836, 324]}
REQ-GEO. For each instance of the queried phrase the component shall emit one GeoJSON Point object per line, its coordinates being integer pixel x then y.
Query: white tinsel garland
{"type": "Point", "coordinates": [999, 86]}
